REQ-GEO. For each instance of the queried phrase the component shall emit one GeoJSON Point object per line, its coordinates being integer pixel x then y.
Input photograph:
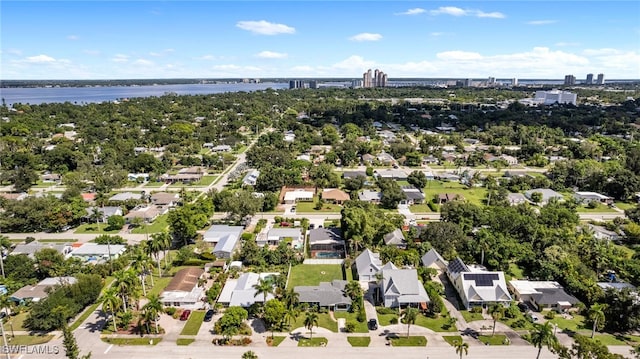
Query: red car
{"type": "Point", "coordinates": [185, 315]}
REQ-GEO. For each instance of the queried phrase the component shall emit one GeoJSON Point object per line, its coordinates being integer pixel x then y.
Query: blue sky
{"type": "Point", "coordinates": [261, 39]}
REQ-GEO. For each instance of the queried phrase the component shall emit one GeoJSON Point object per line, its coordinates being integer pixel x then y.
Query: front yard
{"type": "Point", "coordinates": [324, 321]}
{"type": "Point", "coordinates": [470, 316]}
{"type": "Point", "coordinates": [412, 341]}
{"type": "Point", "coordinates": [159, 225]}
{"type": "Point", "coordinates": [498, 339]}
{"type": "Point", "coordinates": [313, 342]}
{"type": "Point", "coordinates": [359, 341]}
{"type": "Point", "coordinates": [309, 207]}
{"type": "Point", "coordinates": [361, 327]}
{"type": "Point", "coordinates": [193, 323]}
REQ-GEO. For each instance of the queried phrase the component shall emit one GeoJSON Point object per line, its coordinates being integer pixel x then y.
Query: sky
{"type": "Point", "coordinates": [319, 39]}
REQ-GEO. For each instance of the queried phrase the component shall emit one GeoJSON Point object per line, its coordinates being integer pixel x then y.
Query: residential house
{"type": "Point", "coordinates": [221, 148]}
{"type": "Point", "coordinates": [241, 292]}
{"type": "Point", "coordinates": [371, 196]}
{"type": "Point", "coordinates": [586, 197]}
{"type": "Point", "coordinates": [225, 239]}
{"type": "Point", "coordinates": [276, 235]}
{"type": "Point", "coordinates": [138, 177]}
{"type": "Point", "coordinates": [543, 294]}
{"type": "Point", "coordinates": [396, 174]}
{"type": "Point", "coordinates": [617, 286]}
{"type": "Point", "coordinates": [547, 195]}
{"type": "Point", "coordinates": [289, 136]}
{"type": "Point", "coordinates": [103, 213]}
{"type": "Point", "coordinates": [14, 196]}
{"type": "Point", "coordinates": [448, 197]}
{"type": "Point", "coordinates": [511, 161]}
{"type": "Point", "coordinates": [184, 291]}
{"type": "Point", "coordinates": [31, 248]}
{"type": "Point", "coordinates": [328, 295]}
{"type": "Point", "coordinates": [602, 233]}
{"type": "Point", "coordinates": [448, 177]}
{"type": "Point", "coordinates": [185, 175]}
{"type": "Point", "coordinates": [51, 178]}
{"type": "Point", "coordinates": [326, 243]}
{"type": "Point", "coordinates": [395, 238]}
{"type": "Point", "coordinates": [36, 293]}
{"type": "Point", "coordinates": [165, 199]}
{"type": "Point", "coordinates": [292, 196]}
{"type": "Point", "coordinates": [97, 253]}
{"type": "Point", "coordinates": [433, 259]}
{"type": "Point", "coordinates": [477, 287]}
{"type": "Point", "coordinates": [401, 288]}
{"type": "Point", "coordinates": [385, 159]}
{"type": "Point", "coordinates": [368, 158]}
{"type": "Point", "coordinates": [335, 195]}
{"type": "Point", "coordinates": [251, 178]}
{"type": "Point", "coordinates": [430, 160]}
{"type": "Point", "coordinates": [146, 214]}
{"type": "Point", "coordinates": [368, 264]}
{"type": "Point", "coordinates": [125, 196]}
{"type": "Point", "coordinates": [515, 199]}
{"type": "Point", "coordinates": [320, 149]}
{"type": "Point", "coordinates": [413, 195]}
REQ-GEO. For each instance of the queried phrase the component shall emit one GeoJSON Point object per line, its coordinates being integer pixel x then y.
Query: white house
{"type": "Point", "coordinates": [41, 290]}
{"type": "Point", "coordinates": [547, 195]}
{"type": "Point", "coordinates": [183, 290]}
{"type": "Point", "coordinates": [586, 197]}
{"type": "Point", "coordinates": [368, 264]}
{"type": "Point", "coordinates": [276, 235]}
{"type": "Point", "coordinates": [298, 195]}
{"type": "Point", "coordinates": [242, 292]}
{"type": "Point", "coordinates": [125, 196]}
{"type": "Point", "coordinates": [92, 252]}
{"type": "Point", "coordinates": [543, 294]}
{"type": "Point", "coordinates": [251, 178]}
{"type": "Point", "coordinates": [224, 238]}
{"type": "Point", "coordinates": [478, 287]}
{"type": "Point", "coordinates": [401, 288]}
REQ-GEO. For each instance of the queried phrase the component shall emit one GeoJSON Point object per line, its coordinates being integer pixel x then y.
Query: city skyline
{"type": "Point", "coordinates": [267, 39]}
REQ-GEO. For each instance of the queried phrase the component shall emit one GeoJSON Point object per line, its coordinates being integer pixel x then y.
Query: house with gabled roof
{"type": "Point", "coordinates": [547, 195]}
{"type": "Point", "coordinates": [433, 259]}
{"type": "Point", "coordinates": [335, 195]}
{"type": "Point", "coordinates": [395, 238]}
{"type": "Point", "coordinates": [543, 294]}
{"type": "Point", "coordinates": [477, 287]}
{"type": "Point", "coordinates": [328, 295]}
{"type": "Point", "coordinates": [183, 290]}
{"type": "Point", "coordinates": [370, 196]}
{"type": "Point", "coordinates": [242, 292]}
{"type": "Point", "coordinates": [402, 288]}
{"type": "Point", "coordinates": [368, 264]}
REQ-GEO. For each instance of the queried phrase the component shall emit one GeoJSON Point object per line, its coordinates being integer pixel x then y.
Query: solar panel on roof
{"type": "Point", "coordinates": [482, 279]}
{"type": "Point", "coordinates": [457, 266]}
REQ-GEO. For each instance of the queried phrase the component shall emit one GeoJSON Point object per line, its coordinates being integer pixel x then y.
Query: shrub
{"type": "Point", "coordinates": [393, 321]}
{"type": "Point", "coordinates": [476, 310]}
{"type": "Point", "coordinates": [170, 310]}
{"type": "Point", "coordinates": [549, 315]}
{"type": "Point", "coordinates": [362, 316]}
{"type": "Point", "coordinates": [323, 310]}
{"type": "Point", "coordinates": [432, 206]}
{"type": "Point", "coordinates": [350, 327]}
{"type": "Point", "coordinates": [385, 310]}
{"type": "Point", "coordinates": [520, 323]}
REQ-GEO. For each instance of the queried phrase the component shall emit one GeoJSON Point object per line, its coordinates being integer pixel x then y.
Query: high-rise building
{"type": "Point", "coordinates": [589, 80]}
{"type": "Point", "coordinates": [491, 80]}
{"type": "Point", "coordinates": [553, 96]}
{"type": "Point", "coordinates": [375, 79]}
{"type": "Point", "coordinates": [514, 82]}
{"type": "Point", "coordinates": [600, 79]}
{"type": "Point", "coordinates": [313, 84]}
{"type": "Point", "coordinates": [569, 80]}
{"type": "Point", "coordinates": [296, 84]}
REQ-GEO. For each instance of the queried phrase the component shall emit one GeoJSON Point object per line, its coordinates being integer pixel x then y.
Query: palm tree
{"type": "Point", "coordinates": [542, 335]}
{"type": "Point", "coordinates": [164, 238]}
{"type": "Point", "coordinates": [310, 321]}
{"type": "Point", "coordinates": [497, 311]}
{"type": "Point", "coordinates": [125, 284]}
{"type": "Point", "coordinates": [152, 310]}
{"type": "Point", "coordinates": [290, 315]}
{"type": "Point", "coordinates": [353, 290]}
{"type": "Point", "coordinates": [596, 314]}
{"type": "Point", "coordinates": [409, 317]}
{"type": "Point", "coordinates": [140, 264]}
{"type": "Point", "coordinates": [249, 355]}
{"type": "Point", "coordinates": [291, 298]}
{"type": "Point", "coordinates": [6, 303]}
{"type": "Point", "coordinates": [264, 287]}
{"type": "Point", "coordinates": [153, 248]}
{"type": "Point", "coordinates": [461, 348]}
{"type": "Point", "coordinates": [111, 300]}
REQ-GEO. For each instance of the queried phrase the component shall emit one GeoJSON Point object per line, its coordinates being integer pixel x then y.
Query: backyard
{"type": "Point", "coordinates": [313, 274]}
{"type": "Point", "coordinates": [474, 195]}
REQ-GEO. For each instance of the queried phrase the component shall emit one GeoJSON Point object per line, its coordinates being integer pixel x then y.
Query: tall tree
{"type": "Point", "coordinates": [264, 287]}
{"type": "Point", "coordinates": [71, 346]}
{"type": "Point", "coordinates": [461, 348]}
{"type": "Point", "coordinates": [152, 310]}
{"type": "Point", "coordinates": [112, 301]}
{"type": "Point", "coordinates": [310, 321]}
{"type": "Point", "coordinates": [497, 312]}
{"type": "Point", "coordinates": [409, 317]}
{"type": "Point", "coordinates": [596, 315]}
{"type": "Point", "coordinates": [541, 336]}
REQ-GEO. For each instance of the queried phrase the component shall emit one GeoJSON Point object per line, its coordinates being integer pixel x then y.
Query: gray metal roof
{"type": "Point", "coordinates": [394, 238]}
{"type": "Point", "coordinates": [432, 256]}
{"type": "Point", "coordinates": [326, 294]}
{"type": "Point", "coordinates": [325, 235]}
{"type": "Point", "coordinates": [368, 260]}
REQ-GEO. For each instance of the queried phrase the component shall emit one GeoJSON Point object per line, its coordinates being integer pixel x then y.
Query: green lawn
{"type": "Point", "coordinates": [470, 317]}
{"type": "Point", "coordinates": [277, 339]}
{"type": "Point", "coordinates": [359, 341]}
{"type": "Point", "coordinates": [17, 321]}
{"type": "Point", "coordinates": [452, 339]}
{"type": "Point", "coordinates": [601, 208]}
{"type": "Point", "coordinates": [411, 341]}
{"type": "Point", "coordinates": [28, 339]}
{"type": "Point", "coordinates": [420, 208]}
{"type": "Point", "coordinates": [154, 184]}
{"type": "Point", "coordinates": [437, 324]}
{"type": "Point", "coordinates": [94, 228]}
{"type": "Point", "coordinates": [193, 323]}
{"type": "Point", "coordinates": [87, 312]}
{"type": "Point", "coordinates": [324, 321]}
{"type": "Point", "coordinates": [577, 325]}
{"type": "Point", "coordinates": [351, 318]}
{"type": "Point", "coordinates": [514, 272]}
{"type": "Point", "coordinates": [624, 205]}
{"type": "Point", "coordinates": [474, 195]}
{"type": "Point", "coordinates": [159, 225]}
{"type": "Point", "coordinates": [498, 339]}
{"type": "Point", "coordinates": [385, 319]}
{"type": "Point", "coordinates": [132, 341]}
{"type": "Point", "coordinates": [313, 342]}
{"type": "Point", "coordinates": [185, 341]}
{"type": "Point", "coordinates": [309, 207]}
{"type": "Point", "coordinates": [205, 181]}
{"type": "Point", "coordinates": [313, 274]}
{"type": "Point", "coordinates": [158, 285]}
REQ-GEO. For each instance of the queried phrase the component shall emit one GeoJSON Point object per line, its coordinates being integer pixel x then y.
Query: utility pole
{"type": "Point", "coordinates": [5, 346]}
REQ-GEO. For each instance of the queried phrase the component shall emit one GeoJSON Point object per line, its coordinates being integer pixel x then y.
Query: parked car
{"type": "Point", "coordinates": [372, 324]}
{"type": "Point", "coordinates": [312, 226]}
{"type": "Point", "coordinates": [284, 224]}
{"type": "Point", "coordinates": [209, 315]}
{"type": "Point", "coordinates": [185, 315]}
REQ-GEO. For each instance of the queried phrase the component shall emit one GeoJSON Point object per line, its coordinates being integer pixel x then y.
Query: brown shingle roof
{"type": "Point", "coordinates": [185, 280]}
{"type": "Point", "coordinates": [335, 194]}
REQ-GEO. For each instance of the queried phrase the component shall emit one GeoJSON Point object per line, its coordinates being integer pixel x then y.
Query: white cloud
{"type": "Point", "coordinates": [459, 56]}
{"type": "Point", "coordinates": [436, 34]}
{"type": "Point", "coordinates": [143, 62]}
{"type": "Point", "coordinates": [456, 11]}
{"type": "Point", "coordinates": [39, 59]}
{"type": "Point", "coordinates": [354, 63]}
{"type": "Point", "coordinates": [271, 55]}
{"type": "Point", "coordinates": [120, 58]}
{"type": "Point", "coordinates": [14, 52]}
{"type": "Point", "coordinates": [366, 36]}
{"type": "Point", "coordinates": [541, 22]}
{"type": "Point", "coordinates": [263, 27]}
{"type": "Point", "coordinates": [73, 37]}
{"type": "Point", "coordinates": [414, 11]}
